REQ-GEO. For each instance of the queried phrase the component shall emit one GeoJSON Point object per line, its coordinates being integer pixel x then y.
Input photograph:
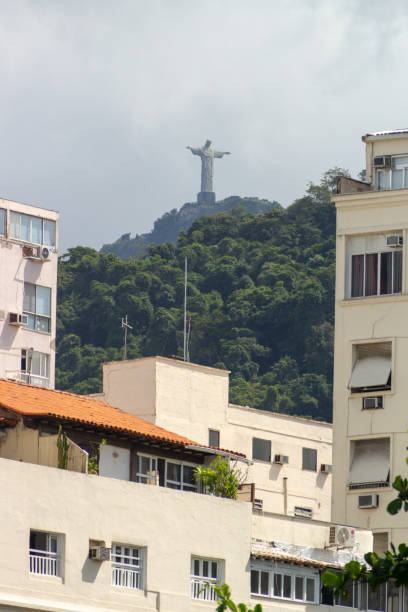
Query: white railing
{"type": "Point", "coordinates": [44, 563]}
{"type": "Point", "coordinates": [203, 588]}
{"type": "Point", "coordinates": [122, 576]}
{"type": "Point", "coordinates": [26, 377]}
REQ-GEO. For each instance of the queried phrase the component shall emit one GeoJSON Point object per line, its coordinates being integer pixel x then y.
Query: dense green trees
{"type": "Point", "coordinates": [260, 299]}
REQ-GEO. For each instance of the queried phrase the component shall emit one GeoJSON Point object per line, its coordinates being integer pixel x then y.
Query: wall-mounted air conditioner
{"type": "Point", "coordinates": [368, 501]}
{"type": "Point", "coordinates": [341, 536]}
{"type": "Point", "coordinates": [382, 161]}
{"type": "Point", "coordinates": [36, 252]}
{"type": "Point", "coordinates": [394, 240]}
{"type": "Point", "coordinates": [17, 319]}
{"type": "Point", "coordinates": [281, 459]}
{"type": "Point", "coordinates": [99, 553]}
{"type": "Point", "coordinates": [326, 468]}
{"type": "Point", "coordinates": [372, 403]}
{"type": "Point", "coordinates": [303, 512]}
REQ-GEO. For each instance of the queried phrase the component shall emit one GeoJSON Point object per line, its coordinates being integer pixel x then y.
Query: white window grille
{"type": "Point", "coordinates": [205, 575]}
{"type": "Point", "coordinates": [180, 476]}
{"type": "Point", "coordinates": [32, 229]}
{"type": "Point", "coordinates": [285, 583]}
{"type": "Point", "coordinates": [35, 368]}
{"type": "Point", "coordinates": [37, 307]}
{"type": "Point", "coordinates": [127, 566]}
{"type": "Point", "coordinates": [44, 554]}
{"type": "Point", "coordinates": [146, 469]}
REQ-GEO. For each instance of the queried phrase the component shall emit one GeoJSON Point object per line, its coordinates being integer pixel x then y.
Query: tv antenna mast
{"type": "Point", "coordinates": [125, 327]}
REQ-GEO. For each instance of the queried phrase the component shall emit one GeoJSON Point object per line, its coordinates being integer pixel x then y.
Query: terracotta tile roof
{"type": "Point", "coordinates": [28, 400]}
{"type": "Point", "coordinates": [33, 401]}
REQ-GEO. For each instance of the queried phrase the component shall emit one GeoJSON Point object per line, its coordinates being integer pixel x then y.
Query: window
{"type": "Point", "coordinates": [37, 305]}
{"type": "Point", "coordinates": [285, 583]}
{"type": "Point", "coordinates": [261, 449]}
{"type": "Point", "coordinates": [395, 177]}
{"type": "Point", "coordinates": [362, 596]}
{"type": "Point", "coordinates": [180, 476]}
{"type": "Point", "coordinates": [213, 437]}
{"type": "Point", "coordinates": [205, 573]}
{"type": "Point", "coordinates": [376, 273]}
{"type": "Point", "coordinates": [146, 470]}
{"type": "Point", "coordinates": [32, 229]}
{"type": "Point", "coordinates": [44, 553]}
{"type": "Point", "coordinates": [171, 474]}
{"type": "Point", "coordinates": [309, 459]}
{"type": "Point", "coordinates": [2, 222]}
{"type": "Point", "coordinates": [380, 543]}
{"type": "Point", "coordinates": [127, 566]}
{"type": "Point", "coordinates": [372, 367]}
{"type": "Point", "coordinates": [369, 463]}
{"type": "Point", "coordinates": [35, 367]}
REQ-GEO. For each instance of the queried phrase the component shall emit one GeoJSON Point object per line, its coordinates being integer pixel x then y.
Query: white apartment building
{"type": "Point", "coordinates": [371, 340]}
{"type": "Point", "coordinates": [28, 292]}
{"type": "Point", "coordinates": [291, 456]}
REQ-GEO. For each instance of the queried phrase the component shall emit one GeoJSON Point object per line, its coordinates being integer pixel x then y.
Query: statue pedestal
{"type": "Point", "coordinates": [206, 197]}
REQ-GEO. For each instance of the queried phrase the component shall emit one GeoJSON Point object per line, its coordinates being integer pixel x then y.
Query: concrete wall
{"type": "Point", "coordinates": [367, 319]}
{"type": "Point", "coordinates": [172, 525]}
{"type": "Point", "coordinates": [15, 270]}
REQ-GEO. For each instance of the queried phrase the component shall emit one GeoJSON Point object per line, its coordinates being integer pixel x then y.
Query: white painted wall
{"type": "Point", "coordinates": [114, 462]}
{"type": "Point", "coordinates": [14, 271]}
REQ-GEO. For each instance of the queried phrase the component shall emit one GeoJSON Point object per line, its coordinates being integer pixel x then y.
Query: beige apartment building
{"type": "Point", "coordinates": [371, 340]}
{"type": "Point", "coordinates": [28, 292]}
{"type": "Point", "coordinates": [290, 457]}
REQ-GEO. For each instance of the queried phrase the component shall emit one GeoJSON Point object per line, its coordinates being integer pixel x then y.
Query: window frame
{"type": "Point", "coordinates": [201, 585]}
{"type": "Point", "coordinates": [45, 562]}
{"type": "Point", "coordinates": [376, 389]}
{"type": "Point", "coordinates": [217, 435]}
{"type": "Point", "coordinates": [154, 478]}
{"type": "Point", "coordinates": [308, 469]}
{"type": "Point", "coordinates": [267, 444]}
{"type": "Point", "coordinates": [27, 376]}
{"type": "Point", "coordinates": [389, 172]}
{"type": "Point", "coordinates": [30, 240]}
{"type": "Point", "coordinates": [283, 573]}
{"type": "Point", "coordinates": [379, 253]}
{"type": "Point", "coordinates": [132, 574]}
{"type": "Point", "coordinates": [35, 316]}
{"type": "Point", "coordinates": [3, 224]}
{"type": "Point", "coordinates": [368, 484]}
{"type": "Point", "coordinates": [183, 486]}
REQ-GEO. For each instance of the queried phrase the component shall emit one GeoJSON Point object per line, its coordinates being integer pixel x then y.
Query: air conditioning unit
{"type": "Point", "coordinates": [17, 319]}
{"type": "Point", "coordinates": [281, 459]}
{"type": "Point", "coordinates": [368, 501]}
{"type": "Point", "coordinates": [326, 468]}
{"type": "Point", "coordinates": [372, 403]}
{"type": "Point", "coordinates": [382, 161]}
{"type": "Point", "coordinates": [31, 252]}
{"type": "Point", "coordinates": [394, 240]}
{"type": "Point", "coordinates": [257, 504]}
{"type": "Point", "coordinates": [45, 254]}
{"type": "Point", "coordinates": [341, 536]}
{"type": "Point", "coordinates": [303, 512]}
{"type": "Point", "coordinates": [99, 553]}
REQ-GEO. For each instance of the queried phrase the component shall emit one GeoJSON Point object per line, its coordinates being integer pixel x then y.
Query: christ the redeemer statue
{"type": "Point", "coordinates": [207, 155]}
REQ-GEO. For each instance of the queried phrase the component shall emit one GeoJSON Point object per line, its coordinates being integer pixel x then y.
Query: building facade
{"type": "Point", "coordinates": [28, 294]}
{"type": "Point", "coordinates": [371, 340]}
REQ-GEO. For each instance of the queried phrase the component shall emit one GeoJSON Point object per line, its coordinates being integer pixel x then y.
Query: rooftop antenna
{"type": "Point", "coordinates": [185, 352]}
{"type": "Point", "coordinates": [125, 327]}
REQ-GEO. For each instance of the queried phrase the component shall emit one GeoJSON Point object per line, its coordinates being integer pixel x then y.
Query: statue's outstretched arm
{"type": "Point", "coordinates": [221, 153]}
{"type": "Point", "coordinates": [194, 150]}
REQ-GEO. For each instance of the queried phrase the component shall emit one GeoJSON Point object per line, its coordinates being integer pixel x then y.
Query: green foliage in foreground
{"type": "Point", "coordinates": [225, 602]}
{"type": "Point", "coordinates": [260, 302]}
{"type": "Point", "coordinates": [219, 478]}
{"type": "Point", "coordinates": [377, 570]}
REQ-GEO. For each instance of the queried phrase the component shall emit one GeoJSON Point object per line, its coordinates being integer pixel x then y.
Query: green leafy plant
{"type": "Point", "coordinates": [93, 459]}
{"type": "Point", "coordinates": [225, 602]}
{"type": "Point", "coordinates": [376, 570]}
{"type": "Point", "coordinates": [63, 448]}
{"type": "Point", "coordinates": [219, 478]}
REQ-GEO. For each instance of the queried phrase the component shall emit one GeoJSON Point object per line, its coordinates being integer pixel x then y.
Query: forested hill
{"type": "Point", "coordinates": [261, 294]}
{"type": "Point", "coordinates": [168, 227]}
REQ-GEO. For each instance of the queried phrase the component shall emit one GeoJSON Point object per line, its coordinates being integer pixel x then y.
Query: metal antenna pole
{"type": "Point", "coordinates": [185, 309]}
{"type": "Point", "coordinates": [125, 327]}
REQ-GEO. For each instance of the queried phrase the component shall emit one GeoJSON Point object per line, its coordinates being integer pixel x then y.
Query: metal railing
{"type": "Point", "coordinates": [44, 563]}
{"type": "Point", "coordinates": [203, 588]}
{"type": "Point", "coordinates": [122, 576]}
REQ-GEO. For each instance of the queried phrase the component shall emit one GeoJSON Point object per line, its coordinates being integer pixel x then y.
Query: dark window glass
{"type": "Point", "coordinates": [205, 569]}
{"type": "Point", "coordinates": [213, 438]}
{"type": "Point", "coordinates": [38, 540]}
{"type": "Point", "coordinates": [309, 459]}
{"type": "Point", "coordinates": [2, 222]}
{"type": "Point", "coordinates": [264, 583]}
{"type": "Point", "coordinates": [277, 585]}
{"type": "Point", "coordinates": [196, 567]}
{"type": "Point", "coordinates": [357, 275]}
{"type": "Point", "coordinates": [397, 272]}
{"type": "Point", "coordinates": [261, 449]}
{"type": "Point", "coordinates": [371, 274]}
{"type": "Point", "coordinates": [299, 587]}
{"type": "Point", "coordinates": [310, 589]}
{"type": "Point", "coordinates": [287, 586]}
{"type": "Point", "coordinates": [386, 273]}
{"type": "Point", "coordinates": [254, 581]}
{"type": "Point", "coordinates": [327, 596]}
{"type": "Point", "coordinates": [213, 569]}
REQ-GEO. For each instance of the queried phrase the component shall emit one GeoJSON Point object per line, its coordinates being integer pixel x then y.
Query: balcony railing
{"type": "Point", "coordinates": [44, 563]}
{"type": "Point", "coordinates": [122, 576]}
{"type": "Point", "coordinates": [203, 588]}
{"type": "Point", "coordinates": [27, 377]}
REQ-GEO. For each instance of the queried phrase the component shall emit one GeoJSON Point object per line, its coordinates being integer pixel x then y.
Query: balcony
{"type": "Point", "coordinates": [44, 563]}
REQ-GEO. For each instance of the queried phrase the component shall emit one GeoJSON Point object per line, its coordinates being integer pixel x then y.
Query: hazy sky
{"type": "Point", "coordinates": [99, 99]}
